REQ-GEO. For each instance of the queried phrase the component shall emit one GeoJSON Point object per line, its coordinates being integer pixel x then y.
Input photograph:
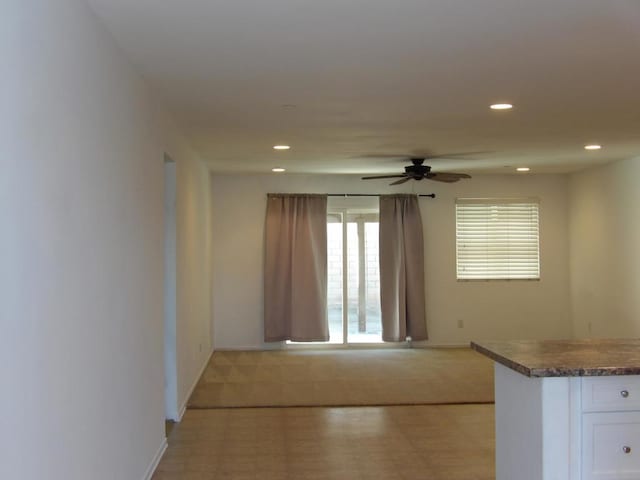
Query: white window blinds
{"type": "Point", "coordinates": [497, 239]}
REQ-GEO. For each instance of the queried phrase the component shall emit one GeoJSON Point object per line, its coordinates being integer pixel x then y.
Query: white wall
{"type": "Point", "coordinates": [489, 310]}
{"type": "Point", "coordinates": [81, 281]}
{"type": "Point", "coordinates": [605, 258]}
{"type": "Point", "coordinates": [194, 317]}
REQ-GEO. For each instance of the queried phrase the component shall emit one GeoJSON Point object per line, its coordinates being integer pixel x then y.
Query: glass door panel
{"type": "Point", "coordinates": [335, 271]}
{"type": "Point", "coordinates": [364, 324]}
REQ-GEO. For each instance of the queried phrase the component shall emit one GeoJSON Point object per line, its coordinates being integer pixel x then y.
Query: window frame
{"type": "Point", "coordinates": [502, 272]}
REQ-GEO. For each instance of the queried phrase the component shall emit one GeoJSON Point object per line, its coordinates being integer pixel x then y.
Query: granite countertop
{"type": "Point", "coordinates": [565, 358]}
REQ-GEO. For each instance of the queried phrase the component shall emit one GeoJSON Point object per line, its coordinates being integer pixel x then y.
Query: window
{"type": "Point", "coordinates": [497, 239]}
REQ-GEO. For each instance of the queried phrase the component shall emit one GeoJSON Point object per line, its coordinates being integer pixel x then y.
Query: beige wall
{"type": "Point", "coordinates": [499, 309]}
{"type": "Point", "coordinates": [488, 309]}
{"type": "Point", "coordinates": [605, 253]}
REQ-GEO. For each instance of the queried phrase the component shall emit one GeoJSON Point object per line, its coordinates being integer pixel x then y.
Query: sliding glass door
{"type": "Point", "coordinates": [353, 294]}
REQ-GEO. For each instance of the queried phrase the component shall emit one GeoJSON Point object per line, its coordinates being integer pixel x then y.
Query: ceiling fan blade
{"type": "Point", "coordinates": [446, 176]}
{"type": "Point", "coordinates": [443, 179]}
{"type": "Point", "coordinates": [398, 182]}
{"type": "Point", "coordinates": [384, 176]}
{"type": "Point", "coordinates": [454, 155]}
{"type": "Point", "coordinates": [386, 155]}
{"type": "Point", "coordinates": [422, 154]}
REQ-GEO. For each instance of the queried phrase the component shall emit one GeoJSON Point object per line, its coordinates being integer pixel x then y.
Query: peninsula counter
{"type": "Point", "coordinates": [566, 409]}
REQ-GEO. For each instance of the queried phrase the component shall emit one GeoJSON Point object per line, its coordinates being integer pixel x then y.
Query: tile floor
{"type": "Point", "coordinates": [430, 442]}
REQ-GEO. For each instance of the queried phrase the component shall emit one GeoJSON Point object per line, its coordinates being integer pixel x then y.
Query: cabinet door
{"type": "Point", "coordinates": [611, 446]}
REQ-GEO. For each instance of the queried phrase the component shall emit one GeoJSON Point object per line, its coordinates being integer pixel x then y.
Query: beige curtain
{"type": "Point", "coordinates": [401, 269]}
{"type": "Point", "coordinates": [295, 277]}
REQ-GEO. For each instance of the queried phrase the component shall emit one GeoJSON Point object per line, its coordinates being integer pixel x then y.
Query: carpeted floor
{"type": "Point", "coordinates": [344, 377]}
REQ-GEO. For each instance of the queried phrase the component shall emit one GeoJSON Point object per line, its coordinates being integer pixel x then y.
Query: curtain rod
{"type": "Point", "coordinates": [432, 195]}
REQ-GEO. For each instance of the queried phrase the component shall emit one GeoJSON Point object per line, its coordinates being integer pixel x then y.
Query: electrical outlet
{"type": "Point", "coordinates": [460, 323]}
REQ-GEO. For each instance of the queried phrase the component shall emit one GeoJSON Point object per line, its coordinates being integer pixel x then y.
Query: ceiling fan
{"type": "Point", "coordinates": [418, 171]}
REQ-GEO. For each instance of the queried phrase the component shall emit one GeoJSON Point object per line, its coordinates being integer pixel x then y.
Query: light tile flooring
{"type": "Point", "coordinates": [430, 442]}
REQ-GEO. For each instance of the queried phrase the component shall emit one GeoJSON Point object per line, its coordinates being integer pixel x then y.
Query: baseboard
{"type": "Point", "coordinates": [298, 346]}
{"type": "Point", "coordinates": [156, 460]}
{"type": "Point", "coordinates": [262, 348]}
{"type": "Point", "coordinates": [183, 407]}
{"type": "Point", "coordinates": [427, 344]}
{"type": "Point", "coordinates": [183, 410]}
{"type": "Point", "coordinates": [353, 346]}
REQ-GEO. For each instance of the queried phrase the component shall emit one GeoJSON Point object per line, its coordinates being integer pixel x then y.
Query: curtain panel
{"type": "Point", "coordinates": [402, 297]}
{"type": "Point", "coordinates": [295, 276]}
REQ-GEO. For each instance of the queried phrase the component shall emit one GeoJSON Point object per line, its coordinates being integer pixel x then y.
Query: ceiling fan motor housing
{"type": "Point", "coordinates": [417, 170]}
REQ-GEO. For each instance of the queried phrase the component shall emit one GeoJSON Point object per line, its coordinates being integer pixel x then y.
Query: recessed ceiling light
{"type": "Point", "coordinates": [501, 106]}
{"type": "Point", "coordinates": [278, 169]}
{"type": "Point", "coordinates": [523, 169]}
{"type": "Point", "coordinates": [592, 147]}
{"type": "Point", "coordinates": [281, 147]}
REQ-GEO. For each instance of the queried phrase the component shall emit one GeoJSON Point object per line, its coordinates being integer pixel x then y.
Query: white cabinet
{"type": "Point", "coordinates": [567, 428]}
{"type": "Point", "coordinates": [611, 446]}
{"type": "Point", "coordinates": [610, 417]}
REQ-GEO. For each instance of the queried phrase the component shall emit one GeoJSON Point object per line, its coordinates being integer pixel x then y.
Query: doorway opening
{"type": "Point", "coordinates": [170, 370]}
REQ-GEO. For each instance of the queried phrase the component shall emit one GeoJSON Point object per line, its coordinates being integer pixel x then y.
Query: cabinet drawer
{"type": "Point", "coordinates": [615, 393]}
{"type": "Point", "coordinates": [611, 446]}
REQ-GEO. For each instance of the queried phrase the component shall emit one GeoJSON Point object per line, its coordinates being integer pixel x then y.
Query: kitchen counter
{"type": "Point", "coordinates": [565, 358]}
{"type": "Point", "coordinates": [566, 409]}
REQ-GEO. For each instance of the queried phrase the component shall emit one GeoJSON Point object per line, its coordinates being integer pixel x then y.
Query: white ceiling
{"type": "Point", "coordinates": [341, 80]}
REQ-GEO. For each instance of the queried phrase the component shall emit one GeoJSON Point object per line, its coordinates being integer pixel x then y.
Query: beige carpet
{"type": "Point", "coordinates": [344, 377]}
